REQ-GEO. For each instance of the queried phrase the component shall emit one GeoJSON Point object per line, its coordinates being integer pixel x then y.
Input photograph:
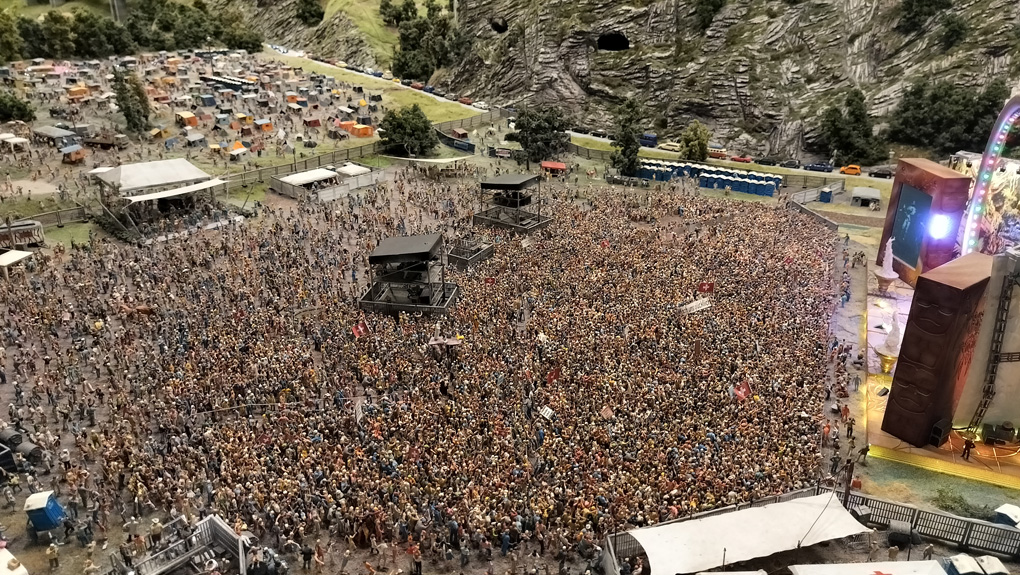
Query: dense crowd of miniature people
{"type": "Point", "coordinates": [219, 373]}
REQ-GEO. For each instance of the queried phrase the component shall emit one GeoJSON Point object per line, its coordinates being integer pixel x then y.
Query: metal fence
{"type": "Point", "coordinates": [349, 185]}
{"type": "Point", "coordinates": [61, 217]}
{"type": "Point", "coordinates": [589, 153]}
{"type": "Point", "coordinates": [473, 121]}
{"type": "Point", "coordinates": [813, 194]}
{"type": "Point", "coordinates": [815, 215]}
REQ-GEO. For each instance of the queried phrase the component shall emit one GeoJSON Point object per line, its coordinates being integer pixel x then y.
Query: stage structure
{"type": "Point", "coordinates": [468, 251]}
{"type": "Point", "coordinates": [504, 203]}
{"type": "Point", "coordinates": [408, 274]}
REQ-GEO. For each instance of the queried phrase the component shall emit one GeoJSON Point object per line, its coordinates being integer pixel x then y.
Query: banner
{"type": "Point", "coordinates": [547, 412]}
{"type": "Point", "coordinates": [553, 376]}
{"type": "Point", "coordinates": [697, 305]}
{"type": "Point", "coordinates": [490, 281]}
{"type": "Point", "coordinates": [607, 412]}
{"type": "Point", "coordinates": [706, 287]}
{"type": "Point", "coordinates": [361, 329]}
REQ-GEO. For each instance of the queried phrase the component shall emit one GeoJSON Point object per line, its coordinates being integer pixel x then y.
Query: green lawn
{"type": "Point", "coordinates": [36, 10]}
{"type": "Point", "coordinates": [79, 232]}
{"type": "Point", "coordinates": [394, 95]}
{"type": "Point", "coordinates": [18, 208]}
{"type": "Point", "coordinates": [253, 193]}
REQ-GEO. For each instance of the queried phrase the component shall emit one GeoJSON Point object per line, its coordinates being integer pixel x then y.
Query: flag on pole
{"type": "Point", "coordinates": [605, 243]}
{"type": "Point", "coordinates": [607, 412]}
{"type": "Point", "coordinates": [742, 391]}
{"type": "Point", "coordinates": [706, 287]}
{"type": "Point", "coordinates": [490, 281]}
{"type": "Point", "coordinates": [360, 329]}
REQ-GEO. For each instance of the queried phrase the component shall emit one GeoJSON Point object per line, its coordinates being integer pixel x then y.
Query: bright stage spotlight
{"type": "Point", "coordinates": [938, 228]}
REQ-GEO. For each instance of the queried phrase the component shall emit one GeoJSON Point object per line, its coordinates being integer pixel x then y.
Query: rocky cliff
{"type": "Point", "coordinates": [759, 76]}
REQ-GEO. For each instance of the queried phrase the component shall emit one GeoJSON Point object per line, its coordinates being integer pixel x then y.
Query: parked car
{"type": "Point", "coordinates": [481, 105]}
{"type": "Point", "coordinates": [466, 101]}
{"type": "Point", "coordinates": [790, 164]}
{"type": "Point", "coordinates": [742, 159]}
{"type": "Point", "coordinates": [580, 130]}
{"type": "Point", "coordinates": [452, 96]}
{"type": "Point", "coordinates": [387, 75]}
{"type": "Point", "coordinates": [851, 170]}
{"type": "Point", "coordinates": [600, 133]}
{"type": "Point", "coordinates": [885, 173]}
{"type": "Point", "coordinates": [377, 74]}
{"type": "Point", "coordinates": [819, 167]}
{"type": "Point", "coordinates": [417, 85]}
{"type": "Point", "coordinates": [717, 152]}
{"type": "Point", "coordinates": [670, 147]}
{"type": "Point", "coordinates": [767, 162]}
{"type": "Point", "coordinates": [439, 92]}
{"type": "Point", "coordinates": [340, 64]}
{"type": "Point", "coordinates": [429, 89]}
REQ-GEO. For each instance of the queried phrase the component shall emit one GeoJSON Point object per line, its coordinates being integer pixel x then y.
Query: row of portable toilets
{"type": "Point", "coordinates": [712, 177]}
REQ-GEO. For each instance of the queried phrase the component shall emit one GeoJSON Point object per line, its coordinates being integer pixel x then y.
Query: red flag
{"type": "Point", "coordinates": [742, 391]}
{"type": "Point", "coordinates": [490, 281]}
{"type": "Point", "coordinates": [788, 260]}
{"type": "Point", "coordinates": [553, 376]}
{"type": "Point", "coordinates": [605, 243]}
{"type": "Point", "coordinates": [706, 287]}
{"type": "Point", "coordinates": [360, 329]}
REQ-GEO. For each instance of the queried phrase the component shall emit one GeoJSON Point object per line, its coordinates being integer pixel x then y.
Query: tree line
{"type": "Point", "coordinates": [425, 43]}
{"type": "Point", "coordinates": [936, 115]}
{"type": "Point", "coordinates": [151, 25]}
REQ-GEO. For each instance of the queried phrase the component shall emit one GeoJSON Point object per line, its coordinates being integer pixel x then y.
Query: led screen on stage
{"type": "Point", "coordinates": [911, 223]}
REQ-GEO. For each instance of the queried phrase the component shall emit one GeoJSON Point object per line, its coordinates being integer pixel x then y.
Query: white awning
{"type": "Point", "coordinates": [305, 178]}
{"type": "Point", "coordinates": [352, 170]}
{"type": "Point", "coordinates": [101, 170]}
{"type": "Point", "coordinates": [701, 544]}
{"type": "Point", "coordinates": [176, 192]}
{"type": "Point", "coordinates": [886, 567]}
{"type": "Point", "coordinates": [866, 193]}
{"type": "Point", "coordinates": [6, 137]}
{"type": "Point", "coordinates": [17, 141]}
{"type": "Point", "coordinates": [12, 257]}
{"type": "Point", "coordinates": [438, 161]}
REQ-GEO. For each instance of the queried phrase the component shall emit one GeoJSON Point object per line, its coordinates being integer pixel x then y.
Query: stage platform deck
{"type": "Point", "coordinates": [464, 255]}
{"type": "Point", "coordinates": [521, 221]}
{"type": "Point", "coordinates": [997, 465]}
{"type": "Point", "coordinates": [393, 301]}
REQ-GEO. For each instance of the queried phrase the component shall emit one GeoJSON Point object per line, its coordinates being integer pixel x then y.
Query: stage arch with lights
{"type": "Point", "coordinates": [992, 223]}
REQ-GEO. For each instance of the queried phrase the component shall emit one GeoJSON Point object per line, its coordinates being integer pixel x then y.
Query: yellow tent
{"type": "Point", "coordinates": [362, 102]}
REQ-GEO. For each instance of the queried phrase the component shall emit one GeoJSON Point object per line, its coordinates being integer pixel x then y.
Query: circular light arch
{"type": "Point", "coordinates": [1006, 121]}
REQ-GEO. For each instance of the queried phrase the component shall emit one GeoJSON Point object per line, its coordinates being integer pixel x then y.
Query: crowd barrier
{"type": "Point", "coordinates": [815, 215]}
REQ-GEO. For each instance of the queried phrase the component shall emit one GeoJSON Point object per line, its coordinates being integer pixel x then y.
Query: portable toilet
{"type": "Point", "coordinates": [963, 564]}
{"type": "Point", "coordinates": [207, 99]}
{"type": "Point", "coordinates": [992, 565]}
{"type": "Point", "coordinates": [44, 511]}
{"type": "Point", "coordinates": [1008, 514]}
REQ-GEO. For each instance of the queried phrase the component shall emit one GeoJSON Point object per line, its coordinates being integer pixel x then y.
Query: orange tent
{"type": "Point", "coordinates": [346, 125]}
{"type": "Point", "coordinates": [362, 131]}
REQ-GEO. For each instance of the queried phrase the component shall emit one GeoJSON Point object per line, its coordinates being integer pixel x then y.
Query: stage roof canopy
{"type": "Point", "coordinates": [309, 177]}
{"type": "Point", "coordinates": [509, 182]}
{"type": "Point", "coordinates": [406, 249]}
{"type": "Point", "coordinates": [699, 544]}
{"type": "Point", "coordinates": [886, 567]}
{"type": "Point", "coordinates": [131, 177]}
{"type": "Point", "coordinates": [176, 192]}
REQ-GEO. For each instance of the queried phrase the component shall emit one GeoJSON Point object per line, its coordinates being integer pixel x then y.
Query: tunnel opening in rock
{"type": "Point", "coordinates": [499, 25]}
{"type": "Point", "coordinates": [613, 42]}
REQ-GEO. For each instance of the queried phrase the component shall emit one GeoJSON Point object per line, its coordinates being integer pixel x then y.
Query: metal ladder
{"type": "Point", "coordinates": [995, 355]}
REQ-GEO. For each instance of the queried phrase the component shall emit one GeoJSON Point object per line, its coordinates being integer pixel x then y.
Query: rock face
{"type": "Point", "coordinates": [759, 76]}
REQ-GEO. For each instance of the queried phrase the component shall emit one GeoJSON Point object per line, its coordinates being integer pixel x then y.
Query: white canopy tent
{"type": "Point", "coordinates": [176, 192]}
{"type": "Point", "coordinates": [133, 177]}
{"type": "Point", "coordinates": [702, 544]}
{"type": "Point", "coordinates": [311, 176]}
{"type": "Point", "coordinates": [351, 170]}
{"type": "Point", "coordinates": [11, 257]}
{"type": "Point", "coordinates": [886, 567]}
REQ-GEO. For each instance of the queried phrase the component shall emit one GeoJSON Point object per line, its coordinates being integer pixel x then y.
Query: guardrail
{"type": "Point", "coordinates": [61, 217]}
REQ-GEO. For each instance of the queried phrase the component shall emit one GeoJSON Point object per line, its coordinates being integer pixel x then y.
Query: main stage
{"type": "Point", "coordinates": [994, 464]}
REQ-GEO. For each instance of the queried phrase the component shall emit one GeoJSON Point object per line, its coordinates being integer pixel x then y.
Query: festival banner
{"type": "Point", "coordinates": [361, 329]}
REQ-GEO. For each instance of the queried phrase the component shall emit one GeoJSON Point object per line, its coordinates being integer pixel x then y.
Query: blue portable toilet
{"type": "Point", "coordinates": [44, 511]}
{"type": "Point", "coordinates": [825, 196]}
{"type": "Point", "coordinates": [207, 100]}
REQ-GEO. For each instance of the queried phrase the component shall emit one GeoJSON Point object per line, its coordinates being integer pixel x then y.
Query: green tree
{"type": "Point", "coordinates": [849, 133]}
{"type": "Point", "coordinates": [626, 138]}
{"type": "Point", "coordinates": [408, 10]}
{"type": "Point", "coordinates": [916, 13]}
{"type": "Point", "coordinates": [127, 103]}
{"type": "Point", "coordinates": [946, 118]}
{"type": "Point", "coordinates": [409, 131]}
{"type": "Point", "coordinates": [58, 35]}
{"type": "Point", "coordinates": [11, 43]}
{"type": "Point", "coordinates": [242, 37]}
{"type": "Point", "coordinates": [954, 31]}
{"type": "Point", "coordinates": [31, 33]}
{"type": "Point", "coordinates": [542, 133]}
{"type": "Point", "coordinates": [705, 12]}
{"type": "Point", "coordinates": [89, 31]}
{"type": "Point", "coordinates": [695, 142]}
{"type": "Point", "coordinates": [14, 108]}
{"type": "Point", "coordinates": [432, 9]}
{"type": "Point", "coordinates": [310, 12]}
{"type": "Point", "coordinates": [142, 104]}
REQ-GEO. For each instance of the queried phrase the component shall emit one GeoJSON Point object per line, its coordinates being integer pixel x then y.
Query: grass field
{"type": "Point", "coordinates": [365, 14]}
{"type": "Point", "coordinates": [394, 96]}
{"type": "Point", "coordinates": [37, 10]}
{"type": "Point", "coordinates": [79, 232]}
{"type": "Point", "coordinates": [16, 208]}
{"type": "Point", "coordinates": [912, 485]}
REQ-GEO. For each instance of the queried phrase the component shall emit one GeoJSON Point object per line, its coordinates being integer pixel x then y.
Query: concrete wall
{"type": "Point", "coordinates": [1006, 405]}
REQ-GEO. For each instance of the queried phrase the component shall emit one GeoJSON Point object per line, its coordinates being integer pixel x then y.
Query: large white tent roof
{"type": "Point", "coordinates": [11, 257]}
{"type": "Point", "coordinates": [353, 170]}
{"type": "Point", "coordinates": [131, 177]}
{"type": "Point", "coordinates": [702, 544]}
{"type": "Point", "coordinates": [176, 191]}
{"type": "Point", "coordinates": [305, 178]}
{"type": "Point", "coordinates": [886, 567]}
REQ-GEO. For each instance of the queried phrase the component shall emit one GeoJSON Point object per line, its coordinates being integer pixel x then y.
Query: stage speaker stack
{"type": "Point", "coordinates": [998, 434]}
{"type": "Point", "coordinates": [940, 432]}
